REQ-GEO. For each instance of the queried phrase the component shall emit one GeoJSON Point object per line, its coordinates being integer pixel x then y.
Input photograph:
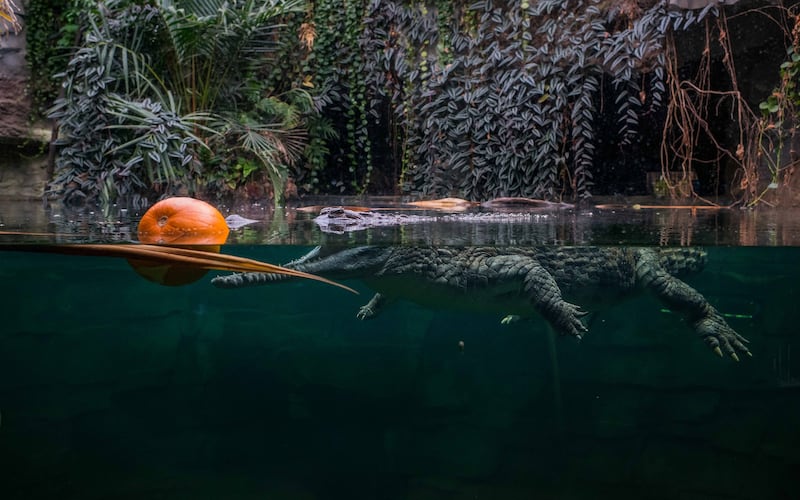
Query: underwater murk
{"type": "Point", "coordinates": [112, 386]}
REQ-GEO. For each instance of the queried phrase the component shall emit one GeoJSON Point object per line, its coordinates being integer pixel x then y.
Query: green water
{"type": "Point", "coordinates": [115, 387]}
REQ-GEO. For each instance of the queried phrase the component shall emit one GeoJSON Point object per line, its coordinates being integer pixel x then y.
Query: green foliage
{"type": "Point", "coordinates": [787, 96]}
{"type": "Point", "coordinates": [153, 84]}
{"type": "Point", "coordinates": [212, 45]}
{"type": "Point", "coordinates": [50, 31]}
{"type": "Point", "coordinates": [481, 98]}
{"type": "Point", "coordinates": [158, 150]}
{"type": "Point", "coordinates": [115, 141]}
{"type": "Point", "coordinates": [333, 71]}
{"type": "Point", "coordinates": [780, 116]}
{"type": "Point", "coordinates": [273, 134]}
{"type": "Point", "coordinates": [501, 98]}
{"type": "Point", "coordinates": [240, 173]}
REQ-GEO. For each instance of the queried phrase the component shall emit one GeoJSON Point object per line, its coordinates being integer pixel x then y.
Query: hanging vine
{"type": "Point", "coordinates": [50, 33]}
{"type": "Point", "coordinates": [500, 98]}
{"type": "Point", "coordinates": [337, 70]}
{"type": "Point", "coordinates": [757, 146]}
{"type": "Point", "coordinates": [489, 98]}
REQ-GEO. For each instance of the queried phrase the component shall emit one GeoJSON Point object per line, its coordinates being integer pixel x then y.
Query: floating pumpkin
{"type": "Point", "coordinates": [180, 221]}
{"type": "Point", "coordinates": [183, 221]}
{"type": "Point", "coordinates": [167, 274]}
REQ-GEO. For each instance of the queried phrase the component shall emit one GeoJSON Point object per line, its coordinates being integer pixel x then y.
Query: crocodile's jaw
{"type": "Point", "coordinates": [350, 262]}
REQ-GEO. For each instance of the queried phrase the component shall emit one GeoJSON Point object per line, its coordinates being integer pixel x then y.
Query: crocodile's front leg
{"type": "Point", "coordinates": [371, 308]}
{"type": "Point", "coordinates": [543, 291]}
{"type": "Point", "coordinates": [687, 301]}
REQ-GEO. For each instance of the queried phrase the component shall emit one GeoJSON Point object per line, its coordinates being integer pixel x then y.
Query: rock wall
{"type": "Point", "coordinates": [23, 144]}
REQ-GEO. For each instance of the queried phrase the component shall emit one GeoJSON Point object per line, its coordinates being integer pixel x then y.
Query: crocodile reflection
{"type": "Point", "coordinates": [519, 281]}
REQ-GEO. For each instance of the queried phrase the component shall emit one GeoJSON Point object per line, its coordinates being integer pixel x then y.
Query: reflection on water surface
{"type": "Point", "coordinates": [519, 225]}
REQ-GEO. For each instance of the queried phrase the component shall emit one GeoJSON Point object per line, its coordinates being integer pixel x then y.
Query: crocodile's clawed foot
{"type": "Point", "coordinates": [721, 338]}
{"type": "Point", "coordinates": [510, 318]}
{"type": "Point", "coordinates": [569, 321]}
{"type": "Point", "coordinates": [371, 308]}
{"type": "Point", "coordinates": [365, 313]}
{"type": "Point", "coordinates": [578, 328]}
{"type": "Point", "coordinates": [578, 333]}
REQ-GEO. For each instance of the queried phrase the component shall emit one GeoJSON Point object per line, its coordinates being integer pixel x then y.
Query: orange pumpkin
{"type": "Point", "coordinates": [180, 221]}
{"type": "Point", "coordinates": [183, 221]}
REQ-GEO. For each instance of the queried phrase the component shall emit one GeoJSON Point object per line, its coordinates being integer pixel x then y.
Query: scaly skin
{"type": "Point", "coordinates": [540, 276]}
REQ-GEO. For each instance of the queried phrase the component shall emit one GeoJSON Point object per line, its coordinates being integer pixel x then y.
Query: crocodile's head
{"type": "Point", "coordinates": [351, 259]}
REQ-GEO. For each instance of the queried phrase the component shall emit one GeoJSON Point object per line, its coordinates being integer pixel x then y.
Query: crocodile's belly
{"type": "Point", "coordinates": [506, 297]}
{"type": "Point", "coordinates": [502, 298]}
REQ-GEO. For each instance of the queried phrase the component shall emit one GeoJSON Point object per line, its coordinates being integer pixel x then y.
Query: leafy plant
{"type": "Point", "coordinates": [240, 173]}
{"type": "Point", "coordinates": [153, 84]}
{"type": "Point", "coordinates": [42, 56]}
{"type": "Point", "coordinates": [274, 143]}
{"type": "Point", "coordinates": [114, 141]}
{"type": "Point", "coordinates": [158, 152]}
{"type": "Point", "coordinates": [780, 114]}
{"type": "Point", "coordinates": [479, 99]}
{"type": "Point", "coordinates": [488, 98]}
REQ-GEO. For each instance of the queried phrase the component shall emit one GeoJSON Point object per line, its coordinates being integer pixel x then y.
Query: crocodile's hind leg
{"type": "Point", "coordinates": [543, 291]}
{"type": "Point", "coordinates": [685, 300]}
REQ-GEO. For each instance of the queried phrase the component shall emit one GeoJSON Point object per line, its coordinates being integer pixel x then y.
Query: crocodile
{"type": "Point", "coordinates": [340, 220]}
{"type": "Point", "coordinates": [520, 281]}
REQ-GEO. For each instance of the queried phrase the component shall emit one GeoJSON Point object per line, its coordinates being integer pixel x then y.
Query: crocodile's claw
{"type": "Point", "coordinates": [371, 308]}
{"type": "Point", "coordinates": [721, 338]}
{"type": "Point", "coordinates": [568, 320]}
{"type": "Point", "coordinates": [365, 312]}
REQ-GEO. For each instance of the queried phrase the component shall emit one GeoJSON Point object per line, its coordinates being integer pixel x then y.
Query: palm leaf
{"type": "Point", "coordinates": [171, 255]}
